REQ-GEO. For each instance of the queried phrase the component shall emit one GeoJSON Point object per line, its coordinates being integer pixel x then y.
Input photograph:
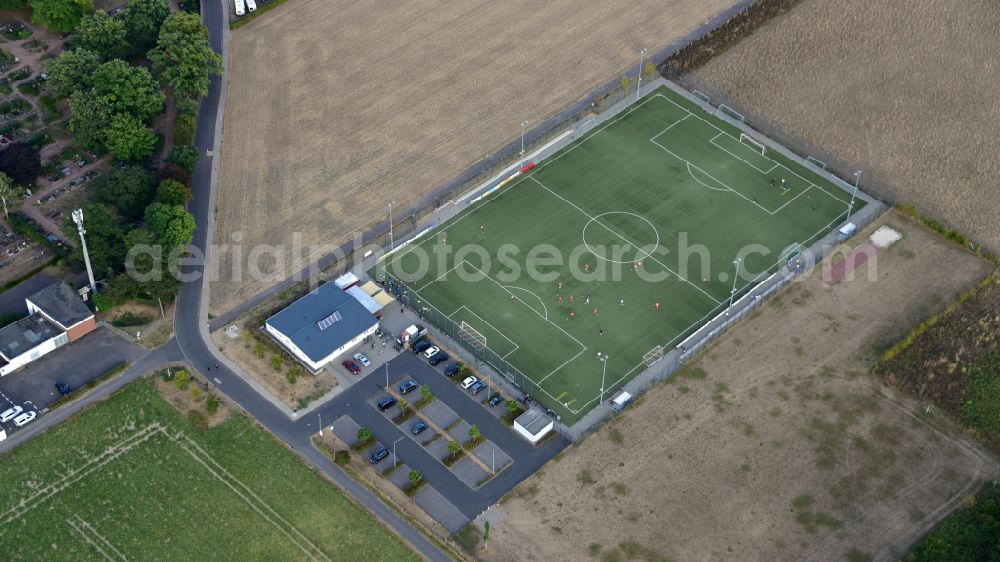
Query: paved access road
{"type": "Point", "coordinates": [191, 312]}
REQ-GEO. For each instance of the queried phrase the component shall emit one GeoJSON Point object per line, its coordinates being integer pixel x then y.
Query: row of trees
{"type": "Point", "coordinates": [112, 102]}
{"type": "Point", "coordinates": [113, 97]}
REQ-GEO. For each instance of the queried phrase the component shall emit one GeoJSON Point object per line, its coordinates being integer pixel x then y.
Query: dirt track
{"type": "Point", "coordinates": [904, 90]}
{"type": "Point", "coordinates": [334, 108]}
{"type": "Point", "coordinates": [776, 445]}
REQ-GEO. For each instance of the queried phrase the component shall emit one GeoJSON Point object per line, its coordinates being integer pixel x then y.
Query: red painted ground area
{"type": "Point", "coordinates": [853, 261]}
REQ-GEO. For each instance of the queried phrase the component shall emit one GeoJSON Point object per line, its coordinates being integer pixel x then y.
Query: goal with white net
{"type": "Point", "coordinates": [700, 99]}
{"type": "Point", "coordinates": [653, 355]}
{"type": "Point", "coordinates": [471, 336]}
{"type": "Point", "coordinates": [753, 143]}
{"type": "Point", "coordinates": [729, 114]}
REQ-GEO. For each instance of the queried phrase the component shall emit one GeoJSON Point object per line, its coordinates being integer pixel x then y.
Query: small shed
{"type": "Point", "coordinates": [533, 425]}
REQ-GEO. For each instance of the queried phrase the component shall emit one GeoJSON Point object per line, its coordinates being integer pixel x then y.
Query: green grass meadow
{"type": "Point", "coordinates": [664, 183]}
{"type": "Point", "coordinates": [131, 478]}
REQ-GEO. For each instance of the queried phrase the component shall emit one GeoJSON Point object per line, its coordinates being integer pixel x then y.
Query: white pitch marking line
{"type": "Point", "coordinates": [626, 240]}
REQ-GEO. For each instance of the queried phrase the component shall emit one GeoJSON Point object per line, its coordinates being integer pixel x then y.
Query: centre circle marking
{"type": "Point", "coordinates": [644, 254]}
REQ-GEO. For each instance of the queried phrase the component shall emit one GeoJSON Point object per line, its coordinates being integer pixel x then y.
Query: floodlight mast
{"type": "Point", "coordinates": [639, 82]}
{"type": "Point", "coordinates": [78, 219]}
{"type": "Point", "coordinates": [850, 208]}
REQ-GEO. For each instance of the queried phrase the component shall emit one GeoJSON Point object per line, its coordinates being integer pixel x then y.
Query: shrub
{"type": "Point", "coordinates": [196, 392]}
{"type": "Point", "coordinates": [292, 375]}
{"type": "Point", "coordinates": [181, 379]}
{"type": "Point", "coordinates": [211, 404]}
{"type": "Point", "coordinates": [276, 363]}
{"type": "Point", "coordinates": [364, 435]}
{"type": "Point", "coordinates": [259, 350]}
{"type": "Point", "coordinates": [184, 129]}
{"type": "Point", "coordinates": [342, 457]}
{"type": "Point", "coordinates": [197, 419]}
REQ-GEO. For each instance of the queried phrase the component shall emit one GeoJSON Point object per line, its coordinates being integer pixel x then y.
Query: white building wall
{"type": "Point", "coordinates": [32, 354]}
{"type": "Point", "coordinates": [317, 365]}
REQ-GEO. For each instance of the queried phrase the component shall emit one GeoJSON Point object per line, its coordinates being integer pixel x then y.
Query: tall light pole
{"type": "Point", "coordinates": [639, 82]}
{"type": "Point", "coordinates": [395, 460]}
{"type": "Point", "coordinates": [523, 125]}
{"type": "Point", "coordinates": [732, 293]}
{"type": "Point", "coordinates": [850, 208]}
{"type": "Point", "coordinates": [78, 219]}
{"type": "Point", "coordinates": [392, 243]}
{"type": "Point", "coordinates": [604, 358]}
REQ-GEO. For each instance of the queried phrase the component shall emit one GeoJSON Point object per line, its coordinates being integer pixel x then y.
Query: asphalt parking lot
{"type": "Point", "coordinates": [76, 364]}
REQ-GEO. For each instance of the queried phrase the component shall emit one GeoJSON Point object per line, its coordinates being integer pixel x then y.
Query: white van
{"type": "Point", "coordinates": [620, 401]}
{"type": "Point", "coordinates": [252, 5]}
{"type": "Point", "coordinates": [241, 8]}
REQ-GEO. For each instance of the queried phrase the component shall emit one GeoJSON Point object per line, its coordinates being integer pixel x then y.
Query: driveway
{"type": "Point", "coordinates": [75, 364]}
{"type": "Point", "coordinates": [12, 300]}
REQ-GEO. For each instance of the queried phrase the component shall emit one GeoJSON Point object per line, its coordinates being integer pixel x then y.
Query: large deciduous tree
{"type": "Point", "coordinates": [142, 19]}
{"type": "Point", "coordinates": [172, 192]}
{"type": "Point", "coordinates": [170, 225]}
{"type": "Point", "coordinates": [128, 189]}
{"type": "Point", "coordinates": [128, 138]}
{"type": "Point", "coordinates": [128, 89]}
{"type": "Point", "coordinates": [60, 15]}
{"type": "Point", "coordinates": [21, 162]}
{"type": "Point", "coordinates": [72, 71]}
{"type": "Point", "coordinates": [101, 34]}
{"type": "Point", "coordinates": [183, 57]}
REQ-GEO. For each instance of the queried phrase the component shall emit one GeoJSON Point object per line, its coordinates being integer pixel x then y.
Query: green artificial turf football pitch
{"type": "Point", "coordinates": [545, 268]}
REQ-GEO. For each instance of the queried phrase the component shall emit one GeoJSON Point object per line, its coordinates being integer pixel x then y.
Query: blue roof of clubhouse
{"type": "Point", "coordinates": [341, 316]}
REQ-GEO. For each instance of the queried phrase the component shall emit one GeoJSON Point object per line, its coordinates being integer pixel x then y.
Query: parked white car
{"type": "Point", "coordinates": [23, 419]}
{"type": "Point", "coordinates": [430, 351]}
{"type": "Point", "coordinates": [469, 381]}
{"type": "Point", "coordinates": [251, 5]}
{"type": "Point", "coordinates": [241, 7]}
{"type": "Point", "coordinates": [360, 358]}
{"type": "Point", "coordinates": [10, 413]}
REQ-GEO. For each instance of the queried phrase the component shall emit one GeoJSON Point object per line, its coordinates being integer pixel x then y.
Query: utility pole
{"type": "Point", "coordinates": [78, 219]}
{"type": "Point", "coordinates": [639, 82]}
{"type": "Point", "coordinates": [320, 423]}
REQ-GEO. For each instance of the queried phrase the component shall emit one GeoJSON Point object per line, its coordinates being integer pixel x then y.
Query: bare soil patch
{"type": "Point", "coordinates": [904, 90]}
{"type": "Point", "coordinates": [255, 358]}
{"type": "Point", "coordinates": [335, 108]}
{"type": "Point", "coordinates": [776, 443]}
{"type": "Point", "coordinates": [192, 398]}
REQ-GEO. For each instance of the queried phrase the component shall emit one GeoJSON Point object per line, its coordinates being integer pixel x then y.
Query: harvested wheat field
{"type": "Point", "coordinates": [776, 443]}
{"type": "Point", "coordinates": [336, 108]}
{"type": "Point", "coordinates": [905, 90]}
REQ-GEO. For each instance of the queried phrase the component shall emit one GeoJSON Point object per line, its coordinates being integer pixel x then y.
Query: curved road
{"type": "Point", "coordinates": [191, 313]}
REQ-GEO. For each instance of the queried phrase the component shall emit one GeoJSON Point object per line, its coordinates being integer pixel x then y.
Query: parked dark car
{"type": "Point", "coordinates": [378, 455]}
{"type": "Point", "coordinates": [63, 388]}
{"type": "Point", "coordinates": [408, 386]}
{"type": "Point", "coordinates": [496, 400]}
{"type": "Point", "coordinates": [352, 367]}
{"type": "Point", "coordinates": [439, 357]}
{"type": "Point", "coordinates": [386, 403]}
{"type": "Point", "coordinates": [418, 428]}
{"type": "Point", "coordinates": [474, 389]}
{"type": "Point", "coordinates": [421, 346]}
{"type": "Point", "coordinates": [452, 370]}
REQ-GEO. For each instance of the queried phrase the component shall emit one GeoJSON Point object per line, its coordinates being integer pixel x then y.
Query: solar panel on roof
{"type": "Point", "coordinates": [329, 320]}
